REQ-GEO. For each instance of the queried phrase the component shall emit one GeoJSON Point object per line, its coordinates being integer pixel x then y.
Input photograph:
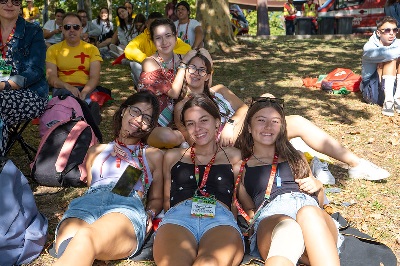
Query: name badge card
{"type": "Point", "coordinates": [203, 206]}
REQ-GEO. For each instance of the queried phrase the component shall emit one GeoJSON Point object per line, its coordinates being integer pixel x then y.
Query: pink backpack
{"type": "Point", "coordinates": [61, 108]}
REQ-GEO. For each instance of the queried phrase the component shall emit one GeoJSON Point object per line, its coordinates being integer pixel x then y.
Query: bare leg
{"type": "Point", "coordinates": [320, 236]}
{"type": "Point", "coordinates": [264, 240]}
{"type": "Point", "coordinates": [319, 140]}
{"type": "Point", "coordinates": [220, 246]}
{"type": "Point", "coordinates": [174, 245]}
{"type": "Point", "coordinates": [109, 238]}
{"type": "Point", "coordinates": [165, 137]}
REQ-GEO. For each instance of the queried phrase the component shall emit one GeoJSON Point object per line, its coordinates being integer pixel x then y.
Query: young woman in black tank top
{"type": "Point", "coordinates": [198, 226]}
{"type": "Point", "coordinates": [281, 194]}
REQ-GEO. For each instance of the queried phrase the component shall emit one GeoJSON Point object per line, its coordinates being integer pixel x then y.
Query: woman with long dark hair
{"type": "Point", "coordinates": [283, 199]}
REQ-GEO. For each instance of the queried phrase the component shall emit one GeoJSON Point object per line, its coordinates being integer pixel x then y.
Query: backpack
{"type": "Point", "coordinates": [339, 78]}
{"type": "Point", "coordinates": [23, 229]}
{"type": "Point", "coordinates": [64, 108]}
{"type": "Point", "coordinates": [61, 156]}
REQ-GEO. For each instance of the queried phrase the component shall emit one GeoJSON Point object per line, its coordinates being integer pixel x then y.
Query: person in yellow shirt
{"type": "Point", "coordinates": [142, 46]}
{"type": "Point", "coordinates": [289, 12]}
{"type": "Point", "coordinates": [30, 12]}
{"type": "Point", "coordinates": [73, 66]}
{"type": "Point", "coordinates": [310, 9]}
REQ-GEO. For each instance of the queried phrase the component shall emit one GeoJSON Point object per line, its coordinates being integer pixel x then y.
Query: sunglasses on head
{"type": "Point", "coordinates": [388, 30]}
{"type": "Point", "coordinates": [267, 99]}
{"type": "Point", "coordinates": [14, 2]}
{"type": "Point", "coordinates": [69, 26]}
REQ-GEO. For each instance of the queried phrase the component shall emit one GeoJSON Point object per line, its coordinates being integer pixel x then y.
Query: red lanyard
{"type": "Point", "coordinates": [267, 191]}
{"type": "Point", "coordinates": [184, 37]}
{"type": "Point", "coordinates": [206, 170]}
{"type": "Point", "coordinates": [3, 46]}
{"type": "Point", "coordinates": [120, 154]}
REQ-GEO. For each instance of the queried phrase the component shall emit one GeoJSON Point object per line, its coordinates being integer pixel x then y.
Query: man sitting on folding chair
{"type": "Point", "coordinates": [23, 86]}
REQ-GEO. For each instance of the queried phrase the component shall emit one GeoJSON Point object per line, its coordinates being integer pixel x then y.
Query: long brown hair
{"type": "Point", "coordinates": [283, 147]}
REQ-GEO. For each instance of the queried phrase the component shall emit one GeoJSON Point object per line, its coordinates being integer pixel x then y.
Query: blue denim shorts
{"type": "Point", "coordinates": [96, 203]}
{"type": "Point", "coordinates": [198, 226]}
{"type": "Point", "coordinates": [288, 204]}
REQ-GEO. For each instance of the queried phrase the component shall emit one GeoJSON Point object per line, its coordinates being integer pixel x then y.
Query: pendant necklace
{"type": "Point", "coordinates": [259, 159]}
{"type": "Point", "coordinates": [164, 64]}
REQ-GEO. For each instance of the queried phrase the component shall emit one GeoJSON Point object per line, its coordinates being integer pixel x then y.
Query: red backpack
{"type": "Point", "coordinates": [341, 77]}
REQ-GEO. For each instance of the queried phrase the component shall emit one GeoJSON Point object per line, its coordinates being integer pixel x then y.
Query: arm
{"type": "Point", "coordinates": [55, 82]}
{"type": "Point", "coordinates": [199, 36]}
{"type": "Point", "coordinates": [155, 195]}
{"type": "Point", "coordinates": [133, 50]}
{"type": "Point", "coordinates": [180, 75]}
{"type": "Point", "coordinates": [378, 54]}
{"type": "Point", "coordinates": [169, 158]}
{"type": "Point", "coordinates": [93, 30]}
{"type": "Point", "coordinates": [91, 155]}
{"type": "Point", "coordinates": [33, 62]}
{"type": "Point", "coordinates": [177, 119]}
{"type": "Point", "coordinates": [310, 184]}
{"type": "Point", "coordinates": [94, 79]}
{"type": "Point", "coordinates": [230, 132]}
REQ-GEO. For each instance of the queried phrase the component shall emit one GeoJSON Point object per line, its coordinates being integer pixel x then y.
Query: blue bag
{"type": "Point", "coordinates": [23, 229]}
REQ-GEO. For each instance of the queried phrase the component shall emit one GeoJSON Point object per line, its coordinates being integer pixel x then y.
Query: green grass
{"type": "Point", "coordinates": [278, 66]}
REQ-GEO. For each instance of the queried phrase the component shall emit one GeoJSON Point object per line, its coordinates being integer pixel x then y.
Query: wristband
{"type": "Point", "coordinates": [7, 85]}
{"type": "Point", "coordinates": [152, 213]}
{"type": "Point", "coordinates": [231, 122]}
{"type": "Point", "coordinates": [182, 67]}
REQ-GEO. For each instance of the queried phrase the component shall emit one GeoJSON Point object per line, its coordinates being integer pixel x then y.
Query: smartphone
{"type": "Point", "coordinates": [127, 181]}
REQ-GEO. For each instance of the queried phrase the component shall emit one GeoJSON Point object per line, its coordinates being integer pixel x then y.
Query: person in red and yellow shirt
{"type": "Point", "coordinates": [310, 9]}
{"type": "Point", "coordinates": [289, 12]}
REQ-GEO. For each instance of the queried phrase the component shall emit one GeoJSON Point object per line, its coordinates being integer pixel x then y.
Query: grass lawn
{"type": "Point", "coordinates": [278, 66]}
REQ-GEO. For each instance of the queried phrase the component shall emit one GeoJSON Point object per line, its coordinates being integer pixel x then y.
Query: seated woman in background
{"type": "Point", "coordinates": [107, 29]}
{"type": "Point", "coordinates": [194, 76]}
{"type": "Point", "coordinates": [124, 33]}
{"type": "Point", "coordinates": [110, 221]}
{"type": "Point", "coordinates": [198, 227]}
{"type": "Point", "coordinates": [23, 86]}
{"type": "Point", "coordinates": [283, 199]}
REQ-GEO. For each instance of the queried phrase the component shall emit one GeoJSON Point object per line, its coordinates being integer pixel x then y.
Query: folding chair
{"type": "Point", "coordinates": [15, 134]}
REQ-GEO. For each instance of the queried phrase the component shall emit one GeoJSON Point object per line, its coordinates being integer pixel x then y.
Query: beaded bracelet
{"type": "Point", "coordinates": [152, 213]}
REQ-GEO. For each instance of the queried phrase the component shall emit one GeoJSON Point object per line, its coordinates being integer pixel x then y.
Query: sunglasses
{"type": "Point", "coordinates": [14, 2]}
{"type": "Point", "coordinates": [389, 30]}
{"type": "Point", "coordinates": [254, 100]}
{"type": "Point", "coordinates": [69, 26]}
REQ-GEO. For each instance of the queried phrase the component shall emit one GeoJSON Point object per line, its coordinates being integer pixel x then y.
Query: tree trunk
{"type": "Point", "coordinates": [88, 8]}
{"type": "Point", "coordinates": [262, 18]}
{"type": "Point", "coordinates": [215, 19]}
{"type": "Point", "coordinates": [109, 5]}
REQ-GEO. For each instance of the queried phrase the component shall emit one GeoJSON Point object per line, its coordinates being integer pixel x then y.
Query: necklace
{"type": "Point", "coordinates": [206, 170]}
{"type": "Point", "coordinates": [165, 64]}
{"type": "Point", "coordinates": [255, 157]}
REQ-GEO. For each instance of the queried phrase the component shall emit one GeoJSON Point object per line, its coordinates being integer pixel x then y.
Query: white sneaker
{"type": "Point", "coordinates": [321, 172]}
{"type": "Point", "coordinates": [368, 171]}
{"type": "Point", "coordinates": [388, 108]}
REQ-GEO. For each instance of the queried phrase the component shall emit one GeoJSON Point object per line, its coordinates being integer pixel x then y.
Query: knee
{"type": "Point", "coordinates": [306, 213]}
{"type": "Point", "coordinates": [287, 241]}
{"type": "Point", "coordinates": [205, 260]}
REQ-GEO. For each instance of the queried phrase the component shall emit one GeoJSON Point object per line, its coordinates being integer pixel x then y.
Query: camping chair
{"type": "Point", "coordinates": [15, 134]}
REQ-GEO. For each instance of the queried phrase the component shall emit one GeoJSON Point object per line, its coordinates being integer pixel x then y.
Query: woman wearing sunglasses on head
{"type": "Point", "coordinates": [23, 86]}
{"type": "Point", "coordinates": [110, 221]}
{"type": "Point", "coordinates": [283, 199]}
{"type": "Point", "coordinates": [194, 76]}
{"type": "Point", "coordinates": [198, 227]}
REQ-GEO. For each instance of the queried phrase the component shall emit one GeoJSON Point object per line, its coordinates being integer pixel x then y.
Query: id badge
{"type": "Point", "coordinates": [5, 72]}
{"type": "Point", "coordinates": [203, 206]}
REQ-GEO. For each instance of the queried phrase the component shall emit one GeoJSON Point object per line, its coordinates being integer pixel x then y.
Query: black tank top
{"type": "Point", "coordinates": [220, 182]}
{"type": "Point", "coordinates": [257, 177]}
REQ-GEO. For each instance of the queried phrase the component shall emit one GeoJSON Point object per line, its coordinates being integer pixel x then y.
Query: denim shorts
{"type": "Point", "coordinates": [198, 226]}
{"type": "Point", "coordinates": [96, 203]}
{"type": "Point", "coordinates": [288, 204]}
